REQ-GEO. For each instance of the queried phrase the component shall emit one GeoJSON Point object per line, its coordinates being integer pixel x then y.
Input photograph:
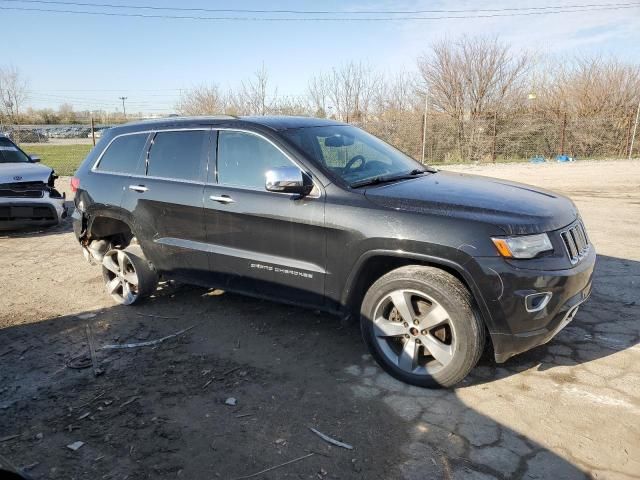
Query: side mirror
{"type": "Point", "coordinates": [288, 180]}
{"type": "Point", "coordinates": [34, 158]}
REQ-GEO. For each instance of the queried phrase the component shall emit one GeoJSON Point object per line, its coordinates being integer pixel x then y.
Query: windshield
{"type": "Point", "coordinates": [9, 153]}
{"type": "Point", "coordinates": [352, 154]}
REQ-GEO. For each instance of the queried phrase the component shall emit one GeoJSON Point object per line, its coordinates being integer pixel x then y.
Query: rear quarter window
{"type": "Point", "coordinates": [122, 155]}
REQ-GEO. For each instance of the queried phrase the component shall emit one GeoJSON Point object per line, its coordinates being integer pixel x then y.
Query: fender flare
{"type": "Point", "coordinates": [433, 260]}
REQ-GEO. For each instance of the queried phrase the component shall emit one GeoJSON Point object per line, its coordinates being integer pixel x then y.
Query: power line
{"type": "Point", "coordinates": [318, 12]}
{"type": "Point", "coordinates": [112, 89]}
{"type": "Point", "coordinates": [320, 19]}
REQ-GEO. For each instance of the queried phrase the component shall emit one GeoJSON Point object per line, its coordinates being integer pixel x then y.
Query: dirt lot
{"type": "Point", "coordinates": [570, 409]}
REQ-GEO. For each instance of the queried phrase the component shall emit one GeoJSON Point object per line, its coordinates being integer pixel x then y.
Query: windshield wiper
{"type": "Point", "coordinates": [387, 178]}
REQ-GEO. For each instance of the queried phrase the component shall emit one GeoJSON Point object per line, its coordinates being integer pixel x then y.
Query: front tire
{"type": "Point", "coordinates": [420, 324]}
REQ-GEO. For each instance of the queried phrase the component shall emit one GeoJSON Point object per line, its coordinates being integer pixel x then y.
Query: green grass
{"type": "Point", "coordinates": [64, 159]}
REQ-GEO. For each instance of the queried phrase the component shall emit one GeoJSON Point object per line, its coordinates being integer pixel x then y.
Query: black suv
{"type": "Point", "coordinates": [319, 213]}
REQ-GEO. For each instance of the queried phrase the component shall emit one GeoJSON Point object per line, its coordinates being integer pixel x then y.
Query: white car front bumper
{"type": "Point", "coordinates": [18, 212]}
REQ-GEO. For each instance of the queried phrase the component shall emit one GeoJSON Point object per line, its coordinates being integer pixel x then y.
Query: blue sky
{"type": "Point", "coordinates": [91, 60]}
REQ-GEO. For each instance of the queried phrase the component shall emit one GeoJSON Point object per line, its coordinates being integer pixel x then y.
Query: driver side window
{"type": "Point", "coordinates": [244, 158]}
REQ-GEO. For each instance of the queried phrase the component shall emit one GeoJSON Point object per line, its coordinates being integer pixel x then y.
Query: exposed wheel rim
{"type": "Point", "coordinates": [121, 278]}
{"type": "Point", "coordinates": [414, 332]}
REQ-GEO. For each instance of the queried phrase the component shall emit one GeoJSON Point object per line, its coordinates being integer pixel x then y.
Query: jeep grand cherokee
{"type": "Point", "coordinates": [319, 213]}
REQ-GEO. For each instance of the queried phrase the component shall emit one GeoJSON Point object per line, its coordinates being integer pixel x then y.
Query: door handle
{"type": "Point", "coordinates": [138, 188]}
{"type": "Point", "coordinates": [222, 198]}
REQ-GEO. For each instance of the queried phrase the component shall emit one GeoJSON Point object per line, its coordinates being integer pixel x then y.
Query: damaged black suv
{"type": "Point", "coordinates": [319, 213]}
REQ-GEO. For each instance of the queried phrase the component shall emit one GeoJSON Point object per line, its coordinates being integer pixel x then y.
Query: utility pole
{"type": "Point", "coordinates": [424, 124]}
{"type": "Point", "coordinates": [495, 135]}
{"type": "Point", "coordinates": [635, 129]}
{"type": "Point", "coordinates": [124, 112]}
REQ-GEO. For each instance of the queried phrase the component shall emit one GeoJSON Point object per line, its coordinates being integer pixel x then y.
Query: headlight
{"type": "Point", "coordinates": [527, 246]}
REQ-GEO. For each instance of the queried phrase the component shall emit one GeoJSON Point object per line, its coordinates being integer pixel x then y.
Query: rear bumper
{"type": "Point", "coordinates": [515, 328]}
{"type": "Point", "coordinates": [20, 213]}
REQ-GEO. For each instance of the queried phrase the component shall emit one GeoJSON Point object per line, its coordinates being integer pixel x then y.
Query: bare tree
{"type": "Point", "coordinates": [473, 77]}
{"type": "Point", "coordinates": [318, 92]}
{"type": "Point", "coordinates": [254, 96]}
{"type": "Point", "coordinates": [590, 86]}
{"type": "Point", "coordinates": [292, 105]}
{"type": "Point", "coordinates": [66, 113]}
{"type": "Point", "coordinates": [399, 93]}
{"type": "Point", "coordinates": [349, 90]}
{"type": "Point", "coordinates": [13, 93]}
{"type": "Point", "coordinates": [201, 100]}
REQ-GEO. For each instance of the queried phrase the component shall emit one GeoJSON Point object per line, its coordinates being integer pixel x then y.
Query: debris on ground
{"type": "Point", "coordinates": [270, 469]}
{"type": "Point", "coordinates": [86, 316]}
{"type": "Point", "coordinates": [8, 437]}
{"type": "Point", "coordinates": [92, 350]}
{"type": "Point", "coordinates": [231, 401]}
{"type": "Point", "coordinates": [333, 441]}
{"type": "Point", "coordinates": [153, 315]}
{"type": "Point", "coordinates": [131, 400]}
{"type": "Point", "coordinates": [216, 292]}
{"type": "Point", "coordinates": [208, 382]}
{"type": "Point", "coordinates": [75, 445]}
{"type": "Point", "coordinates": [147, 343]}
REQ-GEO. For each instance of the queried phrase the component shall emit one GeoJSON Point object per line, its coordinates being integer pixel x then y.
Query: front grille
{"type": "Point", "coordinates": [576, 241]}
{"type": "Point", "coordinates": [22, 190]}
{"type": "Point", "coordinates": [5, 192]}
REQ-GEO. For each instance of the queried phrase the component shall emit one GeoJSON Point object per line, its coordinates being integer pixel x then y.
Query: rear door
{"type": "Point", "coordinates": [109, 177]}
{"type": "Point", "coordinates": [166, 201]}
{"type": "Point", "coordinates": [266, 243]}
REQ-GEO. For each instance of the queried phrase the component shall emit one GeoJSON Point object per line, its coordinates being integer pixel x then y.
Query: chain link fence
{"type": "Point", "coordinates": [445, 140]}
{"type": "Point", "coordinates": [505, 138]}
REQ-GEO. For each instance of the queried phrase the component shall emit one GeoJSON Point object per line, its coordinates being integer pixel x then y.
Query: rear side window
{"type": "Point", "coordinates": [123, 154]}
{"type": "Point", "coordinates": [244, 158]}
{"type": "Point", "coordinates": [178, 155]}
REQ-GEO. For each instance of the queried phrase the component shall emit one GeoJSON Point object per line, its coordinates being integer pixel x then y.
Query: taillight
{"type": "Point", "coordinates": [75, 184]}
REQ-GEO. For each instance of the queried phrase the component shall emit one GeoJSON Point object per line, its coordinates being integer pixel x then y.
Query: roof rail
{"type": "Point", "coordinates": [220, 116]}
{"type": "Point", "coordinates": [185, 117]}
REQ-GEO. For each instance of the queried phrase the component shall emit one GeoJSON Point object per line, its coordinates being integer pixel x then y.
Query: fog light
{"type": "Point", "coordinates": [537, 301]}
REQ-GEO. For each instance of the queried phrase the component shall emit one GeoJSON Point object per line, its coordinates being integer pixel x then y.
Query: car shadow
{"type": "Point", "coordinates": [162, 408]}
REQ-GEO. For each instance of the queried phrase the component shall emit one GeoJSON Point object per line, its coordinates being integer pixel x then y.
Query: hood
{"type": "Point", "coordinates": [514, 207]}
{"type": "Point", "coordinates": [28, 172]}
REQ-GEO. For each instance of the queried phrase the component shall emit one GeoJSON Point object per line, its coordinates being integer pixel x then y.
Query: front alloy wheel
{"type": "Point", "coordinates": [421, 325]}
{"type": "Point", "coordinates": [414, 332]}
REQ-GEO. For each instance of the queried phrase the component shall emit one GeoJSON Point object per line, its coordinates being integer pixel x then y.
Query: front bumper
{"type": "Point", "coordinates": [514, 328]}
{"type": "Point", "coordinates": [29, 212]}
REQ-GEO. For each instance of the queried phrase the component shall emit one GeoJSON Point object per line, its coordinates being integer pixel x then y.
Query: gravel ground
{"type": "Point", "coordinates": [570, 409]}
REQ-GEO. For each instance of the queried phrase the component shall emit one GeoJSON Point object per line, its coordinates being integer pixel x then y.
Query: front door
{"type": "Point", "coordinates": [265, 243]}
{"type": "Point", "coordinates": [166, 202]}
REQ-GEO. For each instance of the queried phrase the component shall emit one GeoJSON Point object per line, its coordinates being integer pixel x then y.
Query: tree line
{"type": "Point", "coordinates": [472, 98]}
{"type": "Point", "coordinates": [482, 101]}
